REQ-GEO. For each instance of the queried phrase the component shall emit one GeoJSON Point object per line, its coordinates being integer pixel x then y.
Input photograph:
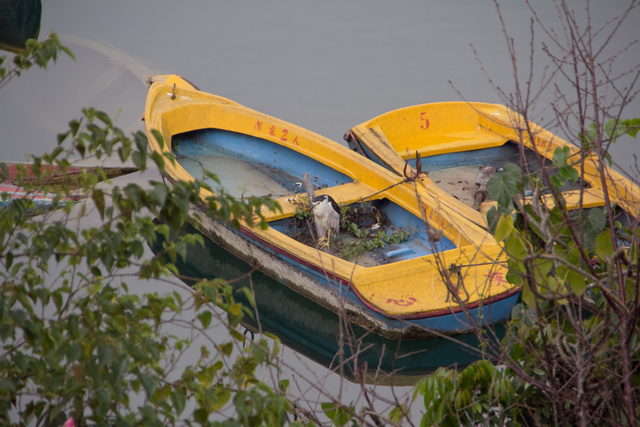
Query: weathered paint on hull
{"type": "Point", "coordinates": [20, 182]}
{"type": "Point", "coordinates": [38, 202]}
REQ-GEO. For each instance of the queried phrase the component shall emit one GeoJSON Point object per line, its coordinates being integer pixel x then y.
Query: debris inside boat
{"type": "Point", "coordinates": [366, 235]}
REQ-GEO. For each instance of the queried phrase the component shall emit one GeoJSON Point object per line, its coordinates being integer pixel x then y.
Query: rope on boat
{"type": "Point", "coordinates": [407, 178]}
{"type": "Point", "coordinates": [455, 290]}
{"type": "Point", "coordinates": [381, 191]}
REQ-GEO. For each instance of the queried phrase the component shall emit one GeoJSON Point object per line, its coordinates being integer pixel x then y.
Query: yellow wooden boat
{"type": "Point", "coordinates": [458, 142]}
{"type": "Point", "coordinates": [399, 291]}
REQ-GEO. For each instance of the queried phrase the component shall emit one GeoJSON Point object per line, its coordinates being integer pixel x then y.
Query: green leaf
{"type": "Point", "coordinates": [336, 413]}
{"type": "Point", "coordinates": [576, 281]}
{"type": "Point", "coordinates": [616, 128]}
{"type": "Point", "coordinates": [504, 227]}
{"type": "Point", "coordinates": [223, 395]}
{"type": "Point", "coordinates": [9, 259]}
{"type": "Point", "coordinates": [560, 156]}
{"type": "Point", "coordinates": [397, 414]}
{"type": "Point", "coordinates": [527, 295]}
{"type": "Point", "coordinates": [604, 245]}
{"type": "Point", "coordinates": [179, 400]}
{"type": "Point", "coordinates": [226, 348]}
{"type": "Point", "coordinates": [503, 187]}
{"type": "Point", "coordinates": [516, 247]}
{"type": "Point", "coordinates": [568, 173]}
{"type": "Point", "coordinates": [158, 159]}
{"type": "Point", "coordinates": [73, 352]}
{"type": "Point", "coordinates": [633, 126]}
{"type": "Point", "coordinates": [98, 199]}
{"type": "Point", "coordinates": [139, 159]}
{"type": "Point", "coordinates": [149, 382]}
{"type": "Point", "coordinates": [597, 220]}
{"type": "Point", "coordinates": [205, 318]}
{"type": "Point", "coordinates": [201, 415]}
{"type": "Point", "coordinates": [158, 136]}
{"type": "Point", "coordinates": [542, 267]}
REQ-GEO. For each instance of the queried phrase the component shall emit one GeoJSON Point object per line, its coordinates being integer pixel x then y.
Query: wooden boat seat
{"type": "Point", "coordinates": [433, 144]}
{"type": "Point", "coordinates": [343, 194]}
{"type": "Point", "coordinates": [591, 198]}
{"type": "Point", "coordinates": [439, 144]}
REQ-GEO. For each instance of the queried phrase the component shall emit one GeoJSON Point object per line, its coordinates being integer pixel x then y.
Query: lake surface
{"type": "Point", "coordinates": [326, 66]}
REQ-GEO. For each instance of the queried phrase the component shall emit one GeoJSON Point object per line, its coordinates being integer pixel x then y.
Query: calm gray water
{"type": "Point", "coordinates": [324, 65]}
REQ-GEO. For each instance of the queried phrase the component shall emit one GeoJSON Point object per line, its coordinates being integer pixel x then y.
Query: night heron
{"type": "Point", "coordinates": [326, 215]}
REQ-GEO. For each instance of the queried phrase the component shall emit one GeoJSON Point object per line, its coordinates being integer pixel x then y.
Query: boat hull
{"type": "Point", "coordinates": [318, 333]}
{"type": "Point", "coordinates": [20, 182]}
{"type": "Point", "coordinates": [335, 294]}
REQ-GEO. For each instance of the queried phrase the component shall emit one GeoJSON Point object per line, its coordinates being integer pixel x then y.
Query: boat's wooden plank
{"type": "Point", "coordinates": [385, 152]}
{"type": "Point", "coordinates": [469, 141]}
{"type": "Point", "coordinates": [343, 194]}
{"type": "Point", "coordinates": [576, 199]}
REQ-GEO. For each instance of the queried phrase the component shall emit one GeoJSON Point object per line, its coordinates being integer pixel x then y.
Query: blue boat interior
{"type": "Point", "coordinates": [498, 156]}
{"type": "Point", "coordinates": [494, 156]}
{"type": "Point", "coordinates": [399, 219]}
{"type": "Point", "coordinates": [457, 173]}
{"type": "Point", "coordinates": [248, 166]}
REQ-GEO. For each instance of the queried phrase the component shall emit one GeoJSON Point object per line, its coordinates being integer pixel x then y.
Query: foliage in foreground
{"type": "Point", "coordinates": [76, 341]}
{"type": "Point", "coordinates": [81, 340]}
{"type": "Point", "coordinates": [572, 351]}
{"type": "Point", "coordinates": [571, 355]}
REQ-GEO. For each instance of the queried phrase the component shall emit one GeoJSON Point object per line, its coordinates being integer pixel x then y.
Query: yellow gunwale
{"type": "Point", "coordinates": [175, 106]}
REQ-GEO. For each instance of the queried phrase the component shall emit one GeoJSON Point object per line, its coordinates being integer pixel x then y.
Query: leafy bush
{"type": "Point", "coordinates": [76, 342]}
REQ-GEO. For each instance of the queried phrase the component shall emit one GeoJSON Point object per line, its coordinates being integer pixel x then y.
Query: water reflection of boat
{"type": "Point", "coordinates": [447, 276]}
{"type": "Point", "coordinates": [461, 144]}
{"type": "Point", "coordinates": [318, 333]}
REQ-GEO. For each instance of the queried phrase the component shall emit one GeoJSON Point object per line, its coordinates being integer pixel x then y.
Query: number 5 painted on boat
{"type": "Point", "coordinates": [424, 119]}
